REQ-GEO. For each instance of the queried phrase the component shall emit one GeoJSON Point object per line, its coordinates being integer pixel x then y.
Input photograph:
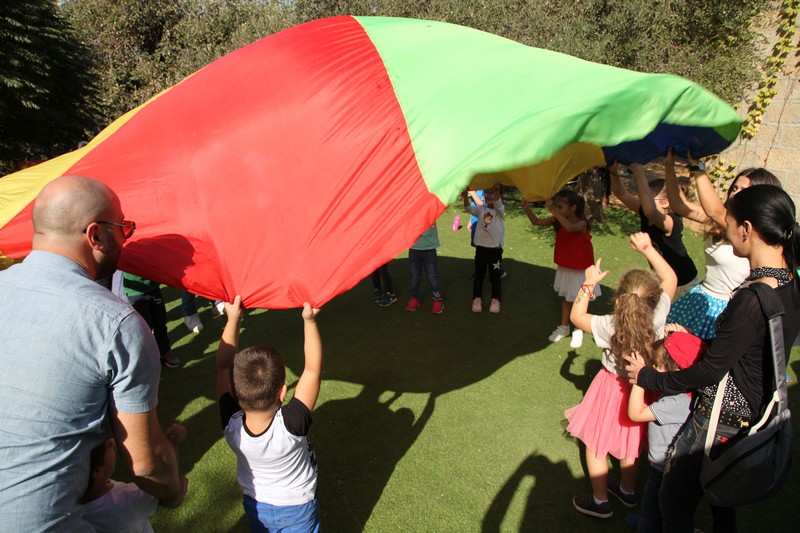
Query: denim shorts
{"type": "Point", "coordinates": [263, 517]}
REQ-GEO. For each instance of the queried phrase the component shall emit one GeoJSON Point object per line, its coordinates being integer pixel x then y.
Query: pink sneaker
{"type": "Point", "coordinates": [413, 304]}
{"type": "Point", "coordinates": [438, 307]}
{"type": "Point", "coordinates": [494, 307]}
{"type": "Point", "coordinates": [477, 305]}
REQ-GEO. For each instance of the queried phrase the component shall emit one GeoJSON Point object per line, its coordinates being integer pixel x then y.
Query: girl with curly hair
{"type": "Point", "coordinates": [601, 420]}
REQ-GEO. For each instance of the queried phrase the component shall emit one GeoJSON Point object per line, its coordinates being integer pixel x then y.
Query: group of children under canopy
{"type": "Point", "coordinates": [670, 304]}
{"type": "Point", "coordinates": [663, 318]}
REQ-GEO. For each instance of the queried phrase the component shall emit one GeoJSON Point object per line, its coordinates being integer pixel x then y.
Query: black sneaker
{"type": "Point", "coordinates": [628, 500]}
{"type": "Point", "coordinates": [388, 299]}
{"type": "Point", "coordinates": [586, 505]}
{"type": "Point", "coordinates": [170, 360]}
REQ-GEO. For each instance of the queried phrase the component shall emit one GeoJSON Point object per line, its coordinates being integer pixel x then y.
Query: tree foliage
{"type": "Point", "coordinates": [712, 42]}
{"type": "Point", "coordinates": [138, 49]}
{"type": "Point", "coordinates": [125, 38]}
{"type": "Point", "coordinates": [47, 91]}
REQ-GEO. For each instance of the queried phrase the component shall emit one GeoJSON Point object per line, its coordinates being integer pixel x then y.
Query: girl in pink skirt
{"type": "Point", "coordinates": [601, 421]}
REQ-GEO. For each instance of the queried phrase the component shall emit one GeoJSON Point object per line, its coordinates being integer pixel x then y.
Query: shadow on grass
{"type": "Point", "coordinates": [389, 353]}
{"type": "Point", "coordinates": [551, 482]}
{"type": "Point", "coordinates": [581, 381]}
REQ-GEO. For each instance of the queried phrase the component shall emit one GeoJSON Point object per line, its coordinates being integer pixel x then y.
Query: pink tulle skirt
{"type": "Point", "coordinates": [601, 420]}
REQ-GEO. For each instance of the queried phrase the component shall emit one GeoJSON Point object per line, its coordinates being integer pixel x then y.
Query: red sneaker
{"type": "Point", "coordinates": [413, 304]}
{"type": "Point", "coordinates": [438, 307]}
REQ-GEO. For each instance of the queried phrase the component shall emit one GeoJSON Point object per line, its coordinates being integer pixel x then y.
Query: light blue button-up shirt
{"type": "Point", "coordinates": [69, 351]}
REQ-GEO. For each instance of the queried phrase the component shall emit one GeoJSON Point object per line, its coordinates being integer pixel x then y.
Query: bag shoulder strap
{"type": "Point", "coordinates": [770, 302]}
{"type": "Point", "coordinates": [773, 310]}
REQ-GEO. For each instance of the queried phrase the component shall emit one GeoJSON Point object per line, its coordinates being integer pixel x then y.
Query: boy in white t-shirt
{"type": "Point", "coordinates": [276, 467]}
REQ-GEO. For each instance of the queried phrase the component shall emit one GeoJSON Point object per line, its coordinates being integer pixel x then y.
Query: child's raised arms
{"type": "Point", "coordinates": [307, 389]}
{"type": "Point", "coordinates": [669, 280]}
{"type": "Point", "coordinates": [618, 188]}
{"type": "Point", "coordinates": [707, 195]}
{"type": "Point", "coordinates": [470, 195]}
{"type": "Point", "coordinates": [536, 221]}
{"type": "Point", "coordinates": [677, 201]}
{"type": "Point", "coordinates": [579, 314]}
{"type": "Point", "coordinates": [228, 345]}
{"type": "Point", "coordinates": [648, 202]}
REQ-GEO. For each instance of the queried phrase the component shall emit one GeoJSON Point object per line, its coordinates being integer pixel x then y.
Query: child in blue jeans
{"type": "Point", "coordinates": [422, 254]}
{"type": "Point", "coordinates": [275, 464]}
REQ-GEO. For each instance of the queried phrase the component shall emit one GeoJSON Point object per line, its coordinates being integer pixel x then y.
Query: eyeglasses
{"type": "Point", "coordinates": [128, 227]}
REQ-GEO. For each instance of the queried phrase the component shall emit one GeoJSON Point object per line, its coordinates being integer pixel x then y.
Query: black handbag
{"type": "Point", "coordinates": [754, 466]}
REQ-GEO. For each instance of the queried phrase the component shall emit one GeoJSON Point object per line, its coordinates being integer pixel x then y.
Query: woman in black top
{"type": "Point", "coordinates": [761, 227]}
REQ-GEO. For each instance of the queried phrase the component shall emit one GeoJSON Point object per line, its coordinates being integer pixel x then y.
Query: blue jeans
{"type": "Point", "coordinates": [381, 280]}
{"type": "Point", "coordinates": [188, 305]}
{"type": "Point", "coordinates": [266, 518]}
{"type": "Point", "coordinates": [680, 489]}
{"type": "Point", "coordinates": [419, 259]}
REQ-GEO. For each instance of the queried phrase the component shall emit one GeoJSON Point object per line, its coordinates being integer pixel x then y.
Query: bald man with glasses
{"type": "Point", "coordinates": [74, 361]}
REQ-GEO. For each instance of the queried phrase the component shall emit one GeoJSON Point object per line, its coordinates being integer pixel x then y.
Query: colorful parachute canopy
{"type": "Point", "coordinates": [290, 169]}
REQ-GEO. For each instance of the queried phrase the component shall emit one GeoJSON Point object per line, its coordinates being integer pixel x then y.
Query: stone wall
{"type": "Point", "coordinates": [776, 147]}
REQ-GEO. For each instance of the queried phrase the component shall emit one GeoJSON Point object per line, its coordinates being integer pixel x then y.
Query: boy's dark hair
{"type": "Point", "coordinates": [257, 377]}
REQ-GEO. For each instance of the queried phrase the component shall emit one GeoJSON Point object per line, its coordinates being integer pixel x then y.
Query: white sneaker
{"type": "Point", "coordinates": [218, 308]}
{"type": "Point", "coordinates": [577, 338]}
{"type": "Point", "coordinates": [494, 307]}
{"type": "Point", "coordinates": [193, 323]}
{"type": "Point", "coordinates": [477, 305]}
{"type": "Point", "coordinates": [561, 332]}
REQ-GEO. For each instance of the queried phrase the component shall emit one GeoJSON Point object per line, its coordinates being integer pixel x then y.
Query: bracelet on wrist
{"type": "Point", "coordinates": [586, 290]}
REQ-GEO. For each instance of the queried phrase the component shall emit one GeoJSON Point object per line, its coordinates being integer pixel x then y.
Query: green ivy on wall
{"type": "Point", "coordinates": [723, 171]}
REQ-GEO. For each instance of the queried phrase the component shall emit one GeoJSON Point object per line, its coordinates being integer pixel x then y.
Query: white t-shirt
{"type": "Point", "coordinates": [724, 271]}
{"type": "Point", "coordinates": [603, 329]}
{"type": "Point", "coordinates": [490, 227]}
{"type": "Point", "coordinates": [275, 467]}
{"type": "Point", "coordinates": [123, 509]}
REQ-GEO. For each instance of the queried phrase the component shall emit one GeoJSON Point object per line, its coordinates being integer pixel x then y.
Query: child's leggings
{"type": "Point", "coordinates": [491, 258]}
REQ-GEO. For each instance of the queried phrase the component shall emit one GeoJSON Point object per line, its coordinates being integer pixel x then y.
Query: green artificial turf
{"type": "Point", "coordinates": [431, 423]}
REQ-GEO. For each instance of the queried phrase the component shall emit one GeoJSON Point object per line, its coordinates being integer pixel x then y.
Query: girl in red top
{"type": "Point", "coordinates": [573, 253]}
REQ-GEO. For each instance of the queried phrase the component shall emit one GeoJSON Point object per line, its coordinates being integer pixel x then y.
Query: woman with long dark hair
{"type": "Point", "coordinates": [762, 227]}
